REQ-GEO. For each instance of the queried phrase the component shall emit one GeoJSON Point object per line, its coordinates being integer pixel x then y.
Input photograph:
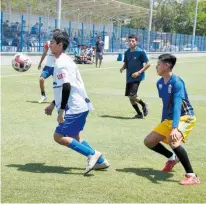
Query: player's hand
{"type": "Point", "coordinates": [39, 67]}
{"type": "Point", "coordinates": [49, 109]}
{"type": "Point", "coordinates": [174, 135]}
{"type": "Point", "coordinates": [60, 118]}
{"type": "Point", "coordinates": [122, 69]}
{"type": "Point", "coordinates": [135, 75]}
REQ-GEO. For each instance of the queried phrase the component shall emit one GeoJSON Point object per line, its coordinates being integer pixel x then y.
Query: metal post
{"type": "Point", "coordinates": [180, 42]}
{"type": "Point", "coordinates": [58, 9]}
{"type": "Point", "coordinates": [161, 48]}
{"type": "Point", "coordinates": [113, 39]}
{"type": "Point", "coordinates": [184, 40]}
{"type": "Point", "coordinates": [93, 35]}
{"type": "Point", "coordinates": [70, 38]}
{"type": "Point", "coordinates": [175, 41]}
{"type": "Point", "coordinates": [2, 29]}
{"type": "Point", "coordinates": [156, 39]}
{"type": "Point", "coordinates": [103, 32]}
{"type": "Point", "coordinates": [82, 40]}
{"type": "Point", "coordinates": [121, 39]}
{"type": "Point", "coordinates": [202, 43]}
{"type": "Point", "coordinates": [194, 27]}
{"type": "Point", "coordinates": [150, 24]}
{"type": "Point", "coordinates": [55, 23]}
{"type": "Point", "coordinates": [70, 26]}
{"type": "Point", "coordinates": [21, 42]}
{"type": "Point", "coordinates": [39, 34]}
{"type": "Point", "coordinates": [143, 33]}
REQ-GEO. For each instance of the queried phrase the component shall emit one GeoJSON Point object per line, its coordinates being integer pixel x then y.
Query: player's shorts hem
{"type": "Point", "coordinates": [72, 125]}
{"type": "Point", "coordinates": [99, 55]}
{"type": "Point", "coordinates": [186, 124]}
{"type": "Point", "coordinates": [132, 88]}
{"type": "Point", "coordinates": [47, 72]}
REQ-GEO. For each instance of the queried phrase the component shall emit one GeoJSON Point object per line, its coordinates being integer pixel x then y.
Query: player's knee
{"type": "Point", "coordinates": [41, 79]}
{"type": "Point", "coordinates": [132, 99]}
{"type": "Point", "coordinates": [59, 139]}
{"type": "Point", "coordinates": [147, 142]}
{"type": "Point", "coordinates": [173, 144]}
{"type": "Point", "coordinates": [78, 138]}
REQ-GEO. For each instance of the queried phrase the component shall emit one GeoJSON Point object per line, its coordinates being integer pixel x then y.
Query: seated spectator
{"type": "Point", "coordinates": [6, 29]}
{"type": "Point", "coordinates": [83, 55]}
{"type": "Point", "coordinates": [77, 51]}
{"type": "Point", "coordinates": [16, 42]}
{"type": "Point", "coordinates": [27, 42]}
{"type": "Point", "coordinates": [35, 29]}
{"type": "Point", "coordinates": [5, 42]}
{"type": "Point", "coordinates": [75, 39]}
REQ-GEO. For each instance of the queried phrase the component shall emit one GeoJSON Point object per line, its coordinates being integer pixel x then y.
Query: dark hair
{"type": "Point", "coordinates": [168, 58]}
{"type": "Point", "coordinates": [133, 37]}
{"type": "Point", "coordinates": [61, 37]}
{"type": "Point", "coordinates": [56, 30]}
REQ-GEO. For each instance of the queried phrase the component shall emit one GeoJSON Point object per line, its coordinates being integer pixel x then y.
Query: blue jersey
{"type": "Point", "coordinates": [134, 62]}
{"type": "Point", "coordinates": [175, 99]}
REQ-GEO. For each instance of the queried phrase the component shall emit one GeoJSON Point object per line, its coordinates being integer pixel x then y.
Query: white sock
{"type": "Point", "coordinates": [173, 157]}
{"type": "Point", "coordinates": [191, 174]}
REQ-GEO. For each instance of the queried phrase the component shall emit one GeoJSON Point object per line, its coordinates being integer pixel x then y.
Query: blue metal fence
{"type": "Point", "coordinates": [21, 37]}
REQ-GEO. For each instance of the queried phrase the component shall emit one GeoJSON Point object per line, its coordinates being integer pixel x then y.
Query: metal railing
{"type": "Point", "coordinates": [21, 36]}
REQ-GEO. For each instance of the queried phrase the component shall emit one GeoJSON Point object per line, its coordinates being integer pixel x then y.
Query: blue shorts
{"type": "Point", "coordinates": [72, 124]}
{"type": "Point", "coordinates": [47, 72]}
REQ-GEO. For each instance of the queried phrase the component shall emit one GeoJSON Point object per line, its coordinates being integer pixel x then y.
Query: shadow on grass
{"type": "Point", "coordinates": [153, 175]}
{"type": "Point", "coordinates": [44, 102]}
{"type": "Point", "coordinates": [42, 168]}
{"type": "Point", "coordinates": [115, 117]}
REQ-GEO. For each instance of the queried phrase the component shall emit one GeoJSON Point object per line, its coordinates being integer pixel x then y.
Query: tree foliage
{"type": "Point", "coordinates": [175, 16]}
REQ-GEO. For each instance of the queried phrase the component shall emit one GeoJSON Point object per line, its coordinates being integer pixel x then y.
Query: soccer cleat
{"type": "Point", "coordinates": [169, 165]}
{"type": "Point", "coordinates": [190, 180]}
{"type": "Point", "coordinates": [138, 116]}
{"type": "Point", "coordinates": [145, 110]}
{"type": "Point", "coordinates": [42, 99]}
{"type": "Point", "coordinates": [92, 160]}
{"type": "Point", "coordinates": [103, 165]}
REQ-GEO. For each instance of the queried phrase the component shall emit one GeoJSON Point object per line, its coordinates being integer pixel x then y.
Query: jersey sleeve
{"type": "Point", "coordinates": [144, 58]}
{"type": "Point", "coordinates": [63, 76]}
{"type": "Point", "coordinates": [178, 93]}
{"type": "Point", "coordinates": [157, 85]}
{"type": "Point", "coordinates": [46, 46]}
{"type": "Point", "coordinates": [125, 57]}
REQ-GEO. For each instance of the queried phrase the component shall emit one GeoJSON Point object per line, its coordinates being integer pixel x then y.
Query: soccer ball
{"type": "Point", "coordinates": [21, 62]}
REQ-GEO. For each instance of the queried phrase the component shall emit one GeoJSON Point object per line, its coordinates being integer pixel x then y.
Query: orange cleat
{"type": "Point", "coordinates": [169, 165]}
{"type": "Point", "coordinates": [190, 180]}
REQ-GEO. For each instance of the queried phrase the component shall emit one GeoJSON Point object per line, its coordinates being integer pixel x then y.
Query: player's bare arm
{"type": "Point", "coordinates": [49, 109]}
{"type": "Point", "coordinates": [123, 68]}
{"type": "Point", "coordinates": [42, 58]}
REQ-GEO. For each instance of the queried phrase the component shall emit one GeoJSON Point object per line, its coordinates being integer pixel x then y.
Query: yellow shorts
{"type": "Point", "coordinates": [186, 124]}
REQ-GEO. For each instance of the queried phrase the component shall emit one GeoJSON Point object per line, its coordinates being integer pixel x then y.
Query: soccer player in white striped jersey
{"type": "Point", "coordinates": [48, 69]}
{"type": "Point", "coordinates": [72, 104]}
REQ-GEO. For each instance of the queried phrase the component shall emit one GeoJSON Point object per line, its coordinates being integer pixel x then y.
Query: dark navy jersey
{"type": "Point", "coordinates": [134, 62]}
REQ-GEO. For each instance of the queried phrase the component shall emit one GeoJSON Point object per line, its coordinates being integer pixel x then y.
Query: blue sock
{"type": "Point", "coordinates": [101, 159]}
{"type": "Point", "coordinates": [80, 148]}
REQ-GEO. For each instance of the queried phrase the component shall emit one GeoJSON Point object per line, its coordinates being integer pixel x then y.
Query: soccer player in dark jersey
{"type": "Point", "coordinates": [136, 63]}
{"type": "Point", "coordinates": [178, 120]}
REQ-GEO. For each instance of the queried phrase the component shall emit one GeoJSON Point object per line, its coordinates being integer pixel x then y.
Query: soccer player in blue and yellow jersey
{"type": "Point", "coordinates": [178, 119]}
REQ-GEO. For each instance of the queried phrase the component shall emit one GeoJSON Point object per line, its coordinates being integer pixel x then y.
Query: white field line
{"type": "Point", "coordinates": [92, 69]}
